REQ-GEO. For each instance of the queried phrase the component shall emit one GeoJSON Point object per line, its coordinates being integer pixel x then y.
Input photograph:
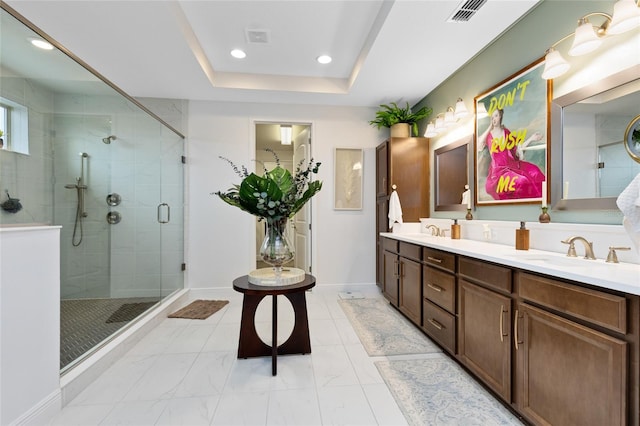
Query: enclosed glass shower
{"type": "Point", "coordinates": [79, 153]}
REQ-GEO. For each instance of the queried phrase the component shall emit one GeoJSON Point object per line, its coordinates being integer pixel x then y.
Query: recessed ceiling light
{"type": "Point", "coordinates": [37, 42]}
{"type": "Point", "coordinates": [324, 59]}
{"type": "Point", "coordinates": [238, 54]}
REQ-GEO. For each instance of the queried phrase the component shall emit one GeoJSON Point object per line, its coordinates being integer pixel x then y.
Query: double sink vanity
{"type": "Point", "coordinates": [556, 338]}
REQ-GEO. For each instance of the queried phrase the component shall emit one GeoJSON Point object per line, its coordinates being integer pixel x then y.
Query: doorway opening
{"type": "Point", "coordinates": [269, 136]}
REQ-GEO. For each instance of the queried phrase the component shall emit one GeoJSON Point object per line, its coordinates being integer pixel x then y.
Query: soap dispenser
{"type": "Point", "coordinates": [522, 238]}
{"type": "Point", "coordinates": [455, 230]}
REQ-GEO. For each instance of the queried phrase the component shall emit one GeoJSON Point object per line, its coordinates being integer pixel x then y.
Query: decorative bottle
{"type": "Point", "coordinates": [522, 238]}
{"type": "Point", "coordinates": [455, 230]}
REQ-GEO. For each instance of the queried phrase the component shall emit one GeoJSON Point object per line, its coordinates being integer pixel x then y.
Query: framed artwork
{"type": "Point", "coordinates": [512, 139]}
{"type": "Point", "coordinates": [347, 192]}
{"type": "Point", "coordinates": [632, 139]}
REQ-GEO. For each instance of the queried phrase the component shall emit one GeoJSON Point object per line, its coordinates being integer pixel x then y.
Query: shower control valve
{"type": "Point", "coordinates": [114, 199]}
{"type": "Point", "coordinates": [113, 218]}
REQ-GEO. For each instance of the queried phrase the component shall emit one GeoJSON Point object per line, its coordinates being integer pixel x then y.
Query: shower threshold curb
{"type": "Point", "coordinates": [77, 378]}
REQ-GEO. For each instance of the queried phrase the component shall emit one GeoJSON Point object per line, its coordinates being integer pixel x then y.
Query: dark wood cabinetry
{"type": "Point", "coordinates": [402, 277]}
{"type": "Point", "coordinates": [571, 364]}
{"type": "Point", "coordinates": [403, 162]}
{"type": "Point", "coordinates": [568, 374]}
{"type": "Point", "coordinates": [390, 270]}
{"type": "Point", "coordinates": [484, 343]}
{"type": "Point", "coordinates": [410, 285]}
{"type": "Point", "coordinates": [557, 351]}
{"type": "Point", "coordinates": [439, 297]}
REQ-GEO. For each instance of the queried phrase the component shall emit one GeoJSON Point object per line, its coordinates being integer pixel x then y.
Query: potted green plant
{"type": "Point", "coordinates": [391, 115]}
{"type": "Point", "coordinates": [275, 197]}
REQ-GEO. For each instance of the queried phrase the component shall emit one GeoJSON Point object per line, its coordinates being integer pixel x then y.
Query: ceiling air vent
{"type": "Point", "coordinates": [258, 36]}
{"type": "Point", "coordinates": [466, 10]}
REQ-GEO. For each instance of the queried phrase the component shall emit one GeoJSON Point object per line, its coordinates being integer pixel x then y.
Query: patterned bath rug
{"type": "Point", "coordinates": [199, 309]}
{"type": "Point", "coordinates": [436, 391]}
{"type": "Point", "coordinates": [383, 331]}
{"type": "Point", "coordinates": [129, 311]}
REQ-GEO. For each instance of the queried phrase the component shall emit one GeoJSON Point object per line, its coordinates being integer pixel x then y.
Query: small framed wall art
{"type": "Point", "coordinates": [348, 173]}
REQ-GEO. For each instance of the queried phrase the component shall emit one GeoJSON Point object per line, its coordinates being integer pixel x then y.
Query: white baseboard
{"type": "Point", "coordinates": [42, 412]}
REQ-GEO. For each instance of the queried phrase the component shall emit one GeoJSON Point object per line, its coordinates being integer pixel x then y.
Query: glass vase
{"type": "Point", "coordinates": [276, 248]}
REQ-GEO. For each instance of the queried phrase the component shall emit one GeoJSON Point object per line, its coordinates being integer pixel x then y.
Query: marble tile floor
{"type": "Point", "coordinates": [185, 372]}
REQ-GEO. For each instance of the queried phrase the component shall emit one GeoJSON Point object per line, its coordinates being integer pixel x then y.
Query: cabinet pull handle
{"type": "Point", "coordinates": [397, 268]}
{"type": "Point", "coordinates": [501, 323]}
{"type": "Point", "coordinates": [515, 333]}
{"type": "Point", "coordinates": [436, 324]}
{"type": "Point", "coordinates": [401, 269]}
{"type": "Point", "coordinates": [434, 287]}
{"type": "Point", "coordinates": [433, 259]}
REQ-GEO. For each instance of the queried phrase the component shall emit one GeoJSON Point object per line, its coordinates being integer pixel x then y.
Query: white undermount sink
{"type": "Point", "coordinates": [564, 261]}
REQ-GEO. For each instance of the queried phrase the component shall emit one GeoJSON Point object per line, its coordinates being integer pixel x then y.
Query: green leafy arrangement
{"type": "Point", "coordinates": [388, 115]}
{"type": "Point", "coordinates": [276, 194]}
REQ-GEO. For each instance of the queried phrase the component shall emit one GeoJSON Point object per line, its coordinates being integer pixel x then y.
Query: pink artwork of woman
{"type": "Point", "coordinates": [509, 177]}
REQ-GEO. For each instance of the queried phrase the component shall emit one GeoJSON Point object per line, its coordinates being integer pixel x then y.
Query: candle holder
{"type": "Point", "coordinates": [469, 216]}
{"type": "Point", "coordinates": [544, 216]}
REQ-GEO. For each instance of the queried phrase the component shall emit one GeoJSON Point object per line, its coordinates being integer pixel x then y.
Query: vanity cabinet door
{"type": "Point", "coordinates": [566, 373]}
{"type": "Point", "coordinates": [391, 265]}
{"type": "Point", "coordinates": [410, 300]}
{"type": "Point", "coordinates": [484, 330]}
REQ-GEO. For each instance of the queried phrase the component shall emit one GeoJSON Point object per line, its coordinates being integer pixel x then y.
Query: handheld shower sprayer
{"type": "Point", "coordinates": [108, 139]}
{"type": "Point", "coordinates": [80, 186]}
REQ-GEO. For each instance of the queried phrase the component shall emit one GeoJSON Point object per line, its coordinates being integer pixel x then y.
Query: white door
{"type": "Point", "coordinates": [302, 220]}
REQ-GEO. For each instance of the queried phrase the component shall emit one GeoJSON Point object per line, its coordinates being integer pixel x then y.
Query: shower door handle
{"type": "Point", "coordinates": [168, 213]}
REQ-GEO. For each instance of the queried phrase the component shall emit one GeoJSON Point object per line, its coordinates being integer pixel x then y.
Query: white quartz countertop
{"type": "Point", "coordinates": [623, 277]}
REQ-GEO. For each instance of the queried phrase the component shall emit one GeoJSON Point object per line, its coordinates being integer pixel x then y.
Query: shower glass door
{"type": "Point", "coordinates": [82, 154]}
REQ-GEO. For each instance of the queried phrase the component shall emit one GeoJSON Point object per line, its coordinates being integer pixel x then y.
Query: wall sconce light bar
{"type": "Point", "coordinates": [626, 16]}
{"type": "Point", "coordinates": [446, 119]}
{"type": "Point", "coordinates": [481, 111]}
{"type": "Point", "coordinates": [587, 37]}
{"type": "Point", "coordinates": [461, 109]}
{"type": "Point", "coordinates": [431, 130]}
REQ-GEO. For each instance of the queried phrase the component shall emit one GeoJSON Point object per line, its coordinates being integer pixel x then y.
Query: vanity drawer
{"type": "Point", "coordinates": [439, 287]}
{"type": "Point", "coordinates": [607, 310]}
{"type": "Point", "coordinates": [439, 258]}
{"type": "Point", "coordinates": [410, 251]}
{"type": "Point", "coordinates": [495, 276]}
{"type": "Point", "coordinates": [439, 325]}
{"type": "Point", "coordinates": [390, 244]}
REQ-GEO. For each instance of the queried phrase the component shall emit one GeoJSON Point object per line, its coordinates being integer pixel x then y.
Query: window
{"type": "Point", "coordinates": [14, 124]}
{"type": "Point", "coordinates": [4, 126]}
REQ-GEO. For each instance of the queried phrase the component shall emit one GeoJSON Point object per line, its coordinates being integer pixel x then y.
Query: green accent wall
{"type": "Point", "coordinates": [523, 43]}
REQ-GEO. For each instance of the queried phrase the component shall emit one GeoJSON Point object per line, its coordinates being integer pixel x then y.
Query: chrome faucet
{"type": "Point", "coordinates": [588, 247]}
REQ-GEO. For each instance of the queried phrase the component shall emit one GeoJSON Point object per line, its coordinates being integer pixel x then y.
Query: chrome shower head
{"type": "Point", "coordinates": [108, 139]}
{"type": "Point", "coordinates": [83, 154]}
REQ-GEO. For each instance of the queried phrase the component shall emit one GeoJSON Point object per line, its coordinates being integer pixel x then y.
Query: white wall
{"type": "Point", "coordinates": [29, 330]}
{"type": "Point", "coordinates": [221, 238]}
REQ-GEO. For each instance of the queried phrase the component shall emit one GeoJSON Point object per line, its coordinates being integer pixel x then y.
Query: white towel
{"type": "Point", "coordinates": [395, 210]}
{"type": "Point", "coordinates": [629, 204]}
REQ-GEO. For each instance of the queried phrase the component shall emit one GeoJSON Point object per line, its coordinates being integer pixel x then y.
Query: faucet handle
{"type": "Point", "coordinates": [612, 257]}
{"type": "Point", "coordinates": [572, 248]}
